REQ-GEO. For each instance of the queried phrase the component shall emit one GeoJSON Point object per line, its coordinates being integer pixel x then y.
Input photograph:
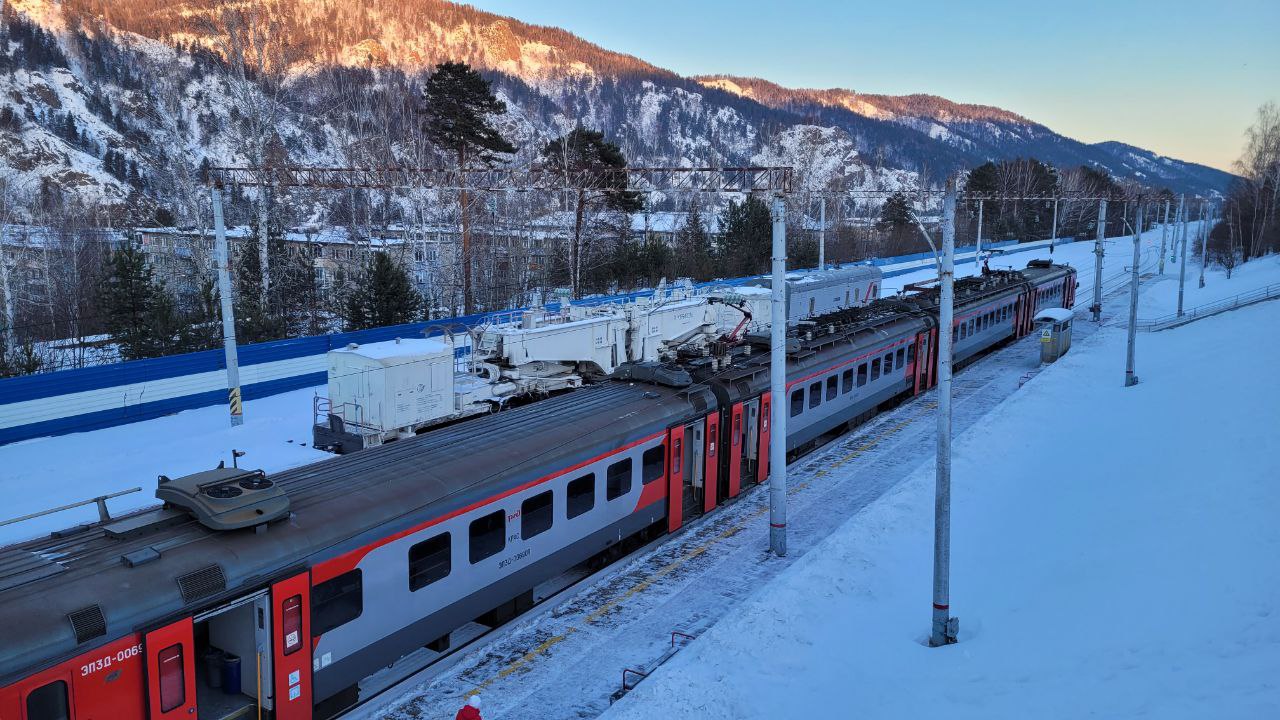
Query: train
{"type": "Point", "coordinates": [311, 580]}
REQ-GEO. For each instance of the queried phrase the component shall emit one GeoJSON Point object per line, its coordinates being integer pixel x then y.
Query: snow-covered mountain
{"type": "Point", "coordinates": [124, 101]}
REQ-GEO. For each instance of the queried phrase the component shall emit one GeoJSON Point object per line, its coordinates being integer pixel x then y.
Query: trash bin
{"type": "Point", "coordinates": [231, 674]}
{"type": "Point", "coordinates": [213, 667]}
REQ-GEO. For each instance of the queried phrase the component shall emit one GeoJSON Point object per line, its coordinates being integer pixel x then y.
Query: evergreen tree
{"type": "Point", "coordinates": [459, 103]}
{"type": "Point", "coordinates": [140, 314]}
{"type": "Point", "coordinates": [383, 297]}
{"type": "Point", "coordinates": [748, 237]}
{"type": "Point", "coordinates": [693, 246]}
{"type": "Point", "coordinates": [584, 151]}
{"type": "Point", "coordinates": [896, 213]}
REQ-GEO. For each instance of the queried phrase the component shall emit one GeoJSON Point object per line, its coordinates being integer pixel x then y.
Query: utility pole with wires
{"type": "Point", "coordinates": [1130, 378]}
{"type": "Point", "coordinates": [778, 385]}
{"type": "Point", "coordinates": [1206, 227]}
{"type": "Point", "coordinates": [222, 258]}
{"type": "Point", "coordinates": [1096, 308]}
{"type": "Point", "coordinates": [1164, 234]}
{"type": "Point", "coordinates": [945, 627]}
{"type": "Point", "coordinates": [822, 234]}
{"type": "Point", "coordinates": [977, 250]}
{"type": "Point", "coordinates": [1185, 214]}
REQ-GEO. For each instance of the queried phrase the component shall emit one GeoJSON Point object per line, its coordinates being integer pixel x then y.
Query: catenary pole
{"type": "Point", "coordinates": [1053, 237]}
{"type": "Point", "coordinates": [1164, 234]}
{"type": "Point", "coordinates": [1130, 378]}
{"type": "Point", "coordinates": [1097, 261]}
{"type": "Point", "coordinates": [822, 234]}
{"type": "Point", "coordinates": [223, 260]}
{"type": "Point", "coordinates": [1182, 268]}
{"type": "Point", "coordinates": [944, 630]}
{"type": "Point", "coordinates": [977, 251]}
{"type": "Point", "coordinates": [1206, 227]}
{"type": "Point", "coordinates": [778, 386]}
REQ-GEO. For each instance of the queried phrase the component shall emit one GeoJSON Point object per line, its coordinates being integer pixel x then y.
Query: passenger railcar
{"type": "Point", "coordinates": [386, 551]}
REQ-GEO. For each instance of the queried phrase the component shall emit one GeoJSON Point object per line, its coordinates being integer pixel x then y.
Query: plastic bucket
{"type": "Point", "coordinates": [231, 674]}
{"type": "Point", "coordinates": [213, 667]}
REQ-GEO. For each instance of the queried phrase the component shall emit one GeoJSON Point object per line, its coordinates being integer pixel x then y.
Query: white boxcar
{"type": "Point", "coordinates": [395, 384]}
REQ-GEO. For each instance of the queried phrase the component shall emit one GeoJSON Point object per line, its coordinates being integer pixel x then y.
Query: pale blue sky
{"type": "Point", "coordinates": [1179, 77]}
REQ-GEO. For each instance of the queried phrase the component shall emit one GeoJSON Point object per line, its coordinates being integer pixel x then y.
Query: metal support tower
{"type": "Point", "coordinates": [944, 627]}
{"type": "Point", "coordinates": [1097, 261]}
{"type": "Point", "coordinates": [1130, 378]}
{"type": "Point", "coordinates": [778, 386]}
{"type": "Point", "coordinates": [222, 259]}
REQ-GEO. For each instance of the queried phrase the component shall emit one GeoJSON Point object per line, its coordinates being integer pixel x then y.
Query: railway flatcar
{"type": "Point", "coordinates": [290, 591]}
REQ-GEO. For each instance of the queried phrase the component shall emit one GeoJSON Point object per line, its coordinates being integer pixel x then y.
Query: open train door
{"type": "Point", "coordinates": [169, 654]}
{"type": "Point", "coordinates": [291, 647]}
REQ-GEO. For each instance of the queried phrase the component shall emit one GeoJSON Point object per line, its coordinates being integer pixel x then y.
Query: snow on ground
{"type": "Point", "coordinates": [1113, 556]}
{"type": "Point", "coordinates": [1253, 275]}
{"type": "Point", "coordinates": [54, 471]}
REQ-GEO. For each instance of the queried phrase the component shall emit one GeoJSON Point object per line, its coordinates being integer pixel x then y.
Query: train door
{"type": "Point", "coordinates": [710, 484]}
{"type": "Point", "coordinates": [735, 450]}
{"type": "Point", "coordinates": [51, 697]}
{"type": "Point", "coordinates": [290, 644]}
{"type": "Point", "coordinates": [762, 471]}
{"type": "Point", "coordinates": [695, 486]}
{"type": "Point", "coordinates": [231, 648]}
{"type": "Point", "coordinates": [675, 478]}
{"type": "Point", "coordinates": [170, 658]}
{"type": "Point", "coordinates": [750, 441]}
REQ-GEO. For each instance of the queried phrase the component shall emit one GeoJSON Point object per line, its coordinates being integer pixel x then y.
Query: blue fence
{"type": "Point", "coordinates": [103, 396]}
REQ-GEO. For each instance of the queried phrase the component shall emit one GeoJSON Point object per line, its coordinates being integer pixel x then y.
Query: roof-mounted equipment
{"type": "Point", "coordinates": [226, 498]}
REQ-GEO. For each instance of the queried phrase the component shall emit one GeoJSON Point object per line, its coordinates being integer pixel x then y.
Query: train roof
{"type": "Point", "coordinates": [337, 505]}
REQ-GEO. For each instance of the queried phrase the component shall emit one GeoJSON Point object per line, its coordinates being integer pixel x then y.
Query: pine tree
{"type": "Point", "coordinates": [140, 314]}
{"type": "Point", "coordinates": [693, 246]}
{"type": "Point", "coordinates": [896, 213]}
{"type": "Point", "coordinates": [748, 237]}
{"type": "Point", "coordinates": [459, 103]}
{"type": "Point", "coordinates": [584, 151]}
{"type": "Point", "coordinates": [384, 296]}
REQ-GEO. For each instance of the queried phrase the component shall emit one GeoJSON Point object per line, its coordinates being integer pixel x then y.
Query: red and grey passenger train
{"type": "Point", "coordinates": [388, 550]}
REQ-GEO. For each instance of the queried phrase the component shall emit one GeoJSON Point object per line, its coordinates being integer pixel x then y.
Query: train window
{"type": "Point", "coordinates": [430, 561]}
{"type": "Point", "coordinates": [535, 512]}
{"type": "Point", "coordinates": [336, 602]}
{"type": "Point", "coordinates": [173, 683]}
{"type": "Point", "coordinates": [815, 395]}
{"type": "Point", "coordinates": [618, 479]}
{"type": "Point", "coordinates": [888, 363]}
{"type": "Point", "coordinates": [973, 324]}
{"type": "Point", "coordinates": [833, 387]}
{"type": "Point", "coordinates": [653, 464]}
{"type": "Point", "coordinates": [49, 702]}
{"type": "Point", "coordinates": [291, 615]}
{"type": "Point", "coordinates": [911, 353]}
{"type": "Point", "coordinates": [875, 369]}
{"type": "Point", "coordinates": [582, 495]}
{"type": "Point", "coordinates": [846, 381]}
{"type": "Point", "coordinates": [489, 535]}
{"type": "Point", "coordinates": [797, 402]}
{"type": "Point", "coordinates": [902, 358]}
{"type": "Point", "coordinates": [862, 374]}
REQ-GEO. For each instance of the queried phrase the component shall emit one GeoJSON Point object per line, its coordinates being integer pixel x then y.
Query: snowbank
{"type": "Point", "coordinates": [1114, 555]}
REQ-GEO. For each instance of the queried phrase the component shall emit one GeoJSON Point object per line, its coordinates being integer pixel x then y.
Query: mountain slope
{"type": "Point", "coordinates": [123, 102]}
